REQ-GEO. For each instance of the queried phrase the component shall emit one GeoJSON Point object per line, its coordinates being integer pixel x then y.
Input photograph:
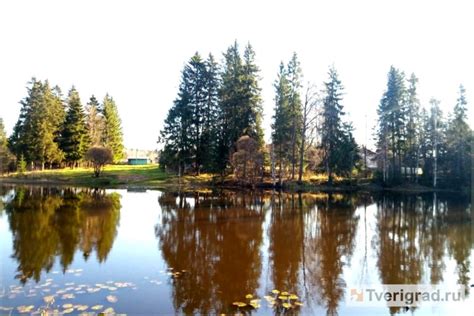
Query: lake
{"type": "Point", "coordinates": [150, 252]}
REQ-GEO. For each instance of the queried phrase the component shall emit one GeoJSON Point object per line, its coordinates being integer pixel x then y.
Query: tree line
{"type": "Point", "coordinates": [215, 122]}
{"type": "Point", "coordinates": [422, 144]}
{"type": "Point", "coordinates": [53, 131]}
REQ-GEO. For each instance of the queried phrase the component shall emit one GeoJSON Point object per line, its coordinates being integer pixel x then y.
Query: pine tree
{"type": "Point", "coordinates": [95, 122]}
{"type": "Point", "coordinates": [112, 134]}
{"type": "Point", "coordinates": [74, 135]}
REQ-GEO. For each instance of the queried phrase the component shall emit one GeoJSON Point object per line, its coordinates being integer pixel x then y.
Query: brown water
{"type": "Point", "coordinates": [122, 249]}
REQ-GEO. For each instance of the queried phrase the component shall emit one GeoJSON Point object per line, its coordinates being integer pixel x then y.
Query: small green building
{"type": "Point", "coordinates": [138, 161]}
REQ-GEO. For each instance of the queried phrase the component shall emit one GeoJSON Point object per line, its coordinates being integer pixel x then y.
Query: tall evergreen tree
{"type": "Point", "coordinates": [210, 126]}
{"type": "Point", "coordinates": [36, 132]}
{"type": "Point", "coordinates": [391, 129]}
{"type": "Point", "coordinates": [112, 134]}
{"type": "Point", "coordinates": [95, 122]}
{"type": "Point", "coordinates": [178, 151]}
{"type": "Point", "coordinates": [74, 137]}
{"type": "Point", "coordinates": [5, 155]}
{"type": "Point", "coordinates": [412, 129]}
{"type": "Point", "coordinates": [281, 126]}
{"type": "Point", "coordinates": [295, 109]}
{"type": "Point", "coordinates": [240, 101]}
{"type": "Point", "coordinates": [337, 141]}
{"type": "Point", "coordinates": [459, 137]}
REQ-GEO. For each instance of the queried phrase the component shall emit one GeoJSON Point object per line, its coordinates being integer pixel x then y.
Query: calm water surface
{"type": "Point", "coordinates": [74, 249]}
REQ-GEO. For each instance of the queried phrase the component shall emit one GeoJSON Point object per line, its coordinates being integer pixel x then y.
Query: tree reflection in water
{"type": "Point", "coordinates": [415, 234]}
{"type": "Point", "coordinates": [48, 222]}
{"type": "Point", "coordinates": [217, 239]}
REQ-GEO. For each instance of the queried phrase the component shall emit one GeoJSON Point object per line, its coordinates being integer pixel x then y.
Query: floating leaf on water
{"type": "Point", "coordinates": [25, 308]}
{"type": "Point", "coordinates": [239, 304]}
{"type": "Point", "coordinates": [48, 299]}
{"type": "Point", "coordinates": [249, 296]}
{"type": "Point", "coordinates": [298, 303]}
{"type": "Point", "coordinates": [112, 288]}
{"type": "Point", "coordinates": [97, 307]}
{"type": "Point", "coordinates": [283, 297]}
{"type": "Point", "coordinates": [112, 299]}
{"type": "Point", "coordinates": [268, 298]}
{"type": "Point", "coordinates": [293, 297]}
{"type": "Point", "coordinates": [68, 296]}
{"type": "Point", "coordinates": [287, 305]}
{"type": "Point", "coordinates": [82, 308]}
{"type": "Point", "coordinates": [255, 301]}
{"type": "Point", "coordinates": [275, 292]}
{"type": "Point", "coordinates": [69, 310]}
{"type": "Point", "coordinates": [66, 306]}
{"type": "Point", "coordinates": [109, 310]}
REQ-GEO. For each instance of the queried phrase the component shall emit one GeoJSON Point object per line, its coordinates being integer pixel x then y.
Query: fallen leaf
{"type": "Point", "coordinates": [112, 299]}
{"type": "Point", "coordinates": [97, 307]}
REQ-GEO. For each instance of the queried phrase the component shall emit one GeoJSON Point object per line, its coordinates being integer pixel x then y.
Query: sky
{"type": "Point", "coordinates": [135, 51]}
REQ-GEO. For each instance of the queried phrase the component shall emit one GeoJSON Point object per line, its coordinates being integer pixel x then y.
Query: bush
{"type": "Point", "coordinates": [99, 157]}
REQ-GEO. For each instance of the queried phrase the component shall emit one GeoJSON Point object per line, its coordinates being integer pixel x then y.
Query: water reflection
{"type": "Point", "coordinates": [219, 240]}
{"type": "Point", "coordinates": [216, 239]}
{"type": "Point", "coordinates": [47, 223]}
{"type": "Point", "coordinates": [415, 234]}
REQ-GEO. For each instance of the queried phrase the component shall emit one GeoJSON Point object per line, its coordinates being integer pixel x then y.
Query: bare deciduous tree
{"type": "Point", "coordinates": [99, 157]}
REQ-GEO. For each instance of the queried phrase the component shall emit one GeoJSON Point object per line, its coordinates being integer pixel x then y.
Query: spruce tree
{"type": "Point", "coordinates": [337, 141]}
{"type": "Point", "coordinates": [74, 136]}
{"type": "Point", "coordinates": [459, 136]}
{"type": "Point", "coordinates": [240, 101]}
{"type": "Point", "coordinates": [281, 126]}
{"type": "Point", "coordinates": [5, 156]}
{"type": "Point", "coordinates": [95, 122]}
{"type": "Point", "coordinates": [112, 134]}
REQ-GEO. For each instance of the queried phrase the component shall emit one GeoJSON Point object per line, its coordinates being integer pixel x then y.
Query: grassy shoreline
{"type": "Point", "coordinates": [151, 177]}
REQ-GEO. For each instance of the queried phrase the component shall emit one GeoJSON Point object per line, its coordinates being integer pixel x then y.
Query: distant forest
{"type": "Point", "coordinates": [53, 131]}
{"type": "Point", "coordinates": [215, 123]}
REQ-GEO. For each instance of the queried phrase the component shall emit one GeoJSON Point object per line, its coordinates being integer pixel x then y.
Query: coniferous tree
{"type": "Point", "coordinates": [391, 129]}
{"type": "Point", "coordinates": [337, 141]}
{"type": "Point", "coordinates": [412, 130]}
{"type": "Point", "coordinates": [281, 122]}
{"type": "Point", "coordinates": [112, 134]}
{"type": "Point", "coordinates": [74, 136]}
{"type": "Point", "coordinates": [240, 102]}
{"type": "Point", "coordinates": [36, 132]}
{"type": "Point", "coordinates": [295, 109]}
{"type": "Point", "coordinates": [458, 142]}
{"type": "Point", "coordinates": [95, 122]}
{"type": "Point", "coordinates": [176, 133]}
{"type": "Point", "coordinates": [5, 155]}
{"type": "Point", "coordinates": [210, 126]}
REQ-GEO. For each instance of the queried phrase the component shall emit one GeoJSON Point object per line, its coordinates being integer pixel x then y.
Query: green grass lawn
{"type": "Point", "coordinates": [146, 176]}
